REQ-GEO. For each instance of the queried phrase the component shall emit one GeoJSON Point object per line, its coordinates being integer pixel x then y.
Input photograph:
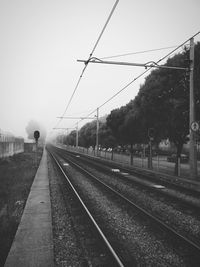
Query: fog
{"type": "Point", "coordinates": [41, 41]}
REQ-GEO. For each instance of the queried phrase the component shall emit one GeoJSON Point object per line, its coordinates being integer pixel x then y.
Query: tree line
{"type": "Point", "coordinates": [162, 104]}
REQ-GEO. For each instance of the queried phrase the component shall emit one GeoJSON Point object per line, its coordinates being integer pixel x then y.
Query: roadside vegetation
{"type": "Point", "coordinates": [16, 177]}
{"type": "Point", "coordinates": [162, 104]}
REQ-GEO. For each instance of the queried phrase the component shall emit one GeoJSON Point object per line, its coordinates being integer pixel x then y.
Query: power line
{"type": "Point", "coordinates": [109, 17]}
{"type": "Point", "coordinates": [145, 71]}
{"type": "Point", "coordinates": [76, 87]}
{"type": "Point", "coordinates": [138, 52]}
{"type": "Point", "coordinates": [178, 47]}
{"type": "Point", "coordinates": [140, 75]}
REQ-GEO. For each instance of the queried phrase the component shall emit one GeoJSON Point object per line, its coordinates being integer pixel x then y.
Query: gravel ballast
{"type": "Point", "coordinates": [139, 242]}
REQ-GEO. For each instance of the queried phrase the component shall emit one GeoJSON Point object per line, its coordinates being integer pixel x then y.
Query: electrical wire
{"type": "Point", "coordinates": [178, 47]}
{"type": "Point", "coordinates": [139, 52]}
{"type": "Point", "coordinates": [147, 71]}
{"type": "Point", "coordinates": [77, 84]}
{"type": "Point", "coordinates": [109, 17]}
{"type": "Point", "coordinates": [140, 75]}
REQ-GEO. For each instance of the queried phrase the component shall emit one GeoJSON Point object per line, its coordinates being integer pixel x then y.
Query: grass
{"type": "Point", "coordinates": [16, 177]}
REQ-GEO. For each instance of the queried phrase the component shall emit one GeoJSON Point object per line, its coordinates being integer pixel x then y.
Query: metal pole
{"type": "Point", "coordinates": [63, 138]}
{"type": "Point", "coordinates": [193, 150]}
{"type": "Point", "coordinates": [150, 154]}
{"type": "Point", "coordinates": [77, 136]}
{"type": "Point", "coordinates": [147, 65]}
{"type": "Point", "coordinates": [36, 153]}
{"type": "Point", "coordinates": [67, 137]}
{"type": "Point", "coordinates": [97, 133]}
{"type": "Point", "coordinates": [158, 162]}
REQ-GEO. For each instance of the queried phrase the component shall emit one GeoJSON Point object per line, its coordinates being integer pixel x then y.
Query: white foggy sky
{"type": "Point", "coordinates": [41, 40]}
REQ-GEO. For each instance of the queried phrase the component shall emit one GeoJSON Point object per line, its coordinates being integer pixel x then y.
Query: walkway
{"type": "Point", "coordinates": [33, 243]}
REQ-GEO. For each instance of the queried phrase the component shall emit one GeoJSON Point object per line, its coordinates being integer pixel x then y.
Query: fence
{"type": "Point", "coordinates": [10, 145]}
{"type": "Point", "coordinates": [159, 162]}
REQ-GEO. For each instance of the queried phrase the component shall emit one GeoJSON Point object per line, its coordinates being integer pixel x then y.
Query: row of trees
{"type": "Point", "coordinates": [162, 104]}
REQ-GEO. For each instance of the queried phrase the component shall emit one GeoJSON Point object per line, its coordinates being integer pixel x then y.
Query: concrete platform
{"type": "Point", "coordinates": [33, 242]}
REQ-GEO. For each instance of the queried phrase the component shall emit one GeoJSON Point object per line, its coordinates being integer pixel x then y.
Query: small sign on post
{"type": "Point", "coordinates": [195, 126]}
{"type": "Point", "coordinates": [36, 136]}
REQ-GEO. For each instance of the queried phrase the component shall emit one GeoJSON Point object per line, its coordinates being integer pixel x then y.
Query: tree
{"type": "Point", "coordinates": [125, 125]}
{"type": "Point", "coordinates": [163, 100]}
{"type": "Point", "coordinates": [70, 139]}
{"type": "Point", "coordinates": [106, 138]}
{"type": "Point", "coordinates": [115, 121]}
{"type": "Point", "coordinates": [87, 134]}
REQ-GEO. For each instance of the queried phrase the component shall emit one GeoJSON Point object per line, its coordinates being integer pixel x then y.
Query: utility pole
{"type": "Point", "coordinates": [77, 135]}
{"type": "Point", "coordinates": [64, 129]}
{"type": "Point", "coordinates": [97, 133]}
{"type": "Point", "coordinates": [193, 149]}
{"type": "Point", "coordinates": [151, 138]}
{"type": "Point", "coordinates": [36, 136]}
{"type": "Point", "coordinates": [63, 136]}
{"type": "Point", "coordinates": [81, 118]}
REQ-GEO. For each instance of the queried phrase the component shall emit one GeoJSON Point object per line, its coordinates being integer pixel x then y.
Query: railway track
{"type": "Point", "coordinates": [165, 180]}
{"type": "Point", "coordinates": [169, 205]}
{"type": "Point", "coordinates": [97, 244]}
{"type": "Point", "coordinates": [189, 249]}
{"type": "Point", "coordinates": [186, 197]}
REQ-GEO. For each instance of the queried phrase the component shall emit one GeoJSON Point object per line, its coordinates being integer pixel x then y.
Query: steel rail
{"type": "Point", "coordinates": [148, 181]}
{"type": "Point", "coordinates": [150, 177]}
{"type": "Point", "coordinates": [134, 170]}
{"type": "Point", "coordinates": [113, 253]}
{"type": "Point", "coordinates": [158, 221]}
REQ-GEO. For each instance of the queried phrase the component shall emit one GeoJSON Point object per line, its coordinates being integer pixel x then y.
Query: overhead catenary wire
{"type": "Point", "coordinates": [107, 21]}
{"type": "Point", "coordinates": [77, 84]}
{"type": "Point", "coordinates": [178, 47]}
{"type": "Point", "coordinates": [127, 85]}
{"type": "Point", "coordinates": [139, 52]}
{"type": "Point", "coordinates": [140, 75]}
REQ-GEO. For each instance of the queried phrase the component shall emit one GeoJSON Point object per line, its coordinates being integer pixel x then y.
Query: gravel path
{"type": "Point", "coordinates": [140, 244]}
{"type": "Point", "coordinates": [66, 247]}
{"type": "Point", "coordinates": [76, 242]}
{"type": "Point", "coordinates": [133, 235]}
{"type": "Point", "coordinates": [162, 206]}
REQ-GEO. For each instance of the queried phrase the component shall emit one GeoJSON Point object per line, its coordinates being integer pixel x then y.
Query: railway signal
{"type": "Point", "coordinates": [36, 135]}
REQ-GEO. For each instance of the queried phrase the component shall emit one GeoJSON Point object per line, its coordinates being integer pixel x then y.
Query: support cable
{"type": "Point", "coordinates": [138, 52]}
{"type": "Point", "coordinates": [140, 75]}
{"type": "Point", "coordinates": [76, 87]}
{"type": "Point", "coordinates": [111, 13]}
{"type": "Point", "coordinates": [145, 72]}
{"type": "Point", "coordinates": [178, 47]}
